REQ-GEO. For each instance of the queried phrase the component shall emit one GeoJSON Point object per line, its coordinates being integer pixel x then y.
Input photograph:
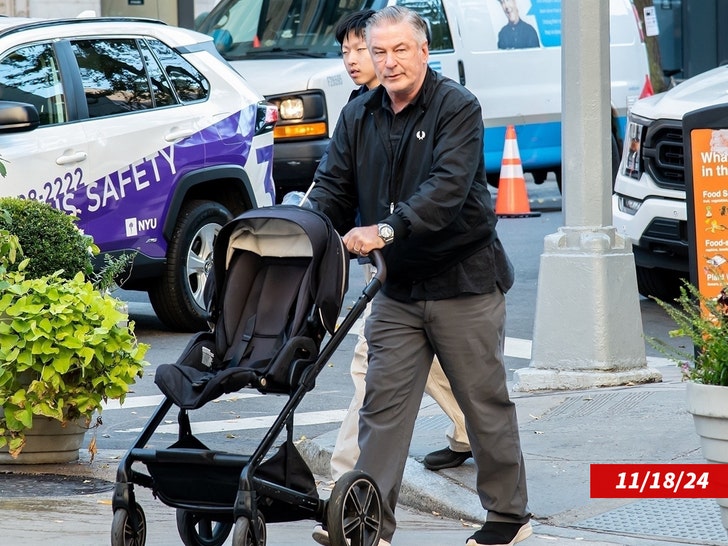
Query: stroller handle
{"type": "Point", "coordinates": [377, 259]}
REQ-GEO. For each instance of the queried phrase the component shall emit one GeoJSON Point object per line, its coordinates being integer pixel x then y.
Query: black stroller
{"type": "Point", "coordinates": [279, 279]}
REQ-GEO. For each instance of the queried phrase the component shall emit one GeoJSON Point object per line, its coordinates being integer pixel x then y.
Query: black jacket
{"type": "Point", "coordinates": [431, 188]}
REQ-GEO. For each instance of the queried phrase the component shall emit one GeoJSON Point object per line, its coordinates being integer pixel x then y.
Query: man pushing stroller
{"type": "Point", "coordinates": [408, 157]}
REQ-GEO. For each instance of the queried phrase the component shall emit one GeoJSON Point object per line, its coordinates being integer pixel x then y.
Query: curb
{"type": "Point", "coordinates": [422, 489]}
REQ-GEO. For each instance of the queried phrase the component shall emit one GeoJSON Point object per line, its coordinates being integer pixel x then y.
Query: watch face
{"type": "Point", "coordinates": [386, 232]}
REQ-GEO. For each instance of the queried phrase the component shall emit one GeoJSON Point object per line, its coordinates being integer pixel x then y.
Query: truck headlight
{"type": "Point", "coordinates": [301, 116]}
{"type": "Point", "coordinates": [291, 108]}
{"type": "Point", "coordinates": [632, 153]}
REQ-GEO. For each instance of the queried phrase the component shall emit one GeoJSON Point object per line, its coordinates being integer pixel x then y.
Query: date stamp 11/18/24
{"type": "Point", "coordinates": [658, 481]}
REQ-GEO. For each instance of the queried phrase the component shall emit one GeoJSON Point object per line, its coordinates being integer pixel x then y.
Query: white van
{"type": "Point", "coordinates": [287, 50]}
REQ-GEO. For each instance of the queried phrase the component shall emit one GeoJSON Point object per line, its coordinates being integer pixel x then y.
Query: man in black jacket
{"type": "Point", "coordinates": [355, 54]}
{"type": "Point", "coordinates": [409, 157]}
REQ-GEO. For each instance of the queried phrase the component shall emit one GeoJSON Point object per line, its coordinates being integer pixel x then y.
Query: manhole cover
{"type": "Point", "coordinates": [49, 485]}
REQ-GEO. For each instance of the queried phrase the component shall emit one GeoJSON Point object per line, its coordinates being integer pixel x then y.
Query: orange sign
{"type": "Point", "coordinates": [709, 157]}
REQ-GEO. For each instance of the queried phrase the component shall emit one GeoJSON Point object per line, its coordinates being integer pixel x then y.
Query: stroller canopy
{"type": "Point", "coordinates": [278, 283]}
{"type": "Point", "coordinates": [287, 231]}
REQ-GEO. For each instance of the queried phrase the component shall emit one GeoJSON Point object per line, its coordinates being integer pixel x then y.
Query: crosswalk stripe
{"type": "Point", "coordinates": [515, 347]}
{"type": "Point", "coordinates": [249, 423]}
{"type": "Point", "coordinates": [518, 348]}
{"type": "Point", "coordinates": [155, 400]}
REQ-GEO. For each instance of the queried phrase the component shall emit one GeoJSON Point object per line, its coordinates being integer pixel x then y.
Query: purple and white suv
{"type": "Point", "coordinates": [143, 131]}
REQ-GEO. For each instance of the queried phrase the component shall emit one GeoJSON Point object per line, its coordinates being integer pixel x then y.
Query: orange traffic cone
{"type": "Point", "coordinates": [512, 200]}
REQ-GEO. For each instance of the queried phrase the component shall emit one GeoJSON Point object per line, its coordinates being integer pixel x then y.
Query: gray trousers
{"type": "Point", "coordinates": [467, 334]}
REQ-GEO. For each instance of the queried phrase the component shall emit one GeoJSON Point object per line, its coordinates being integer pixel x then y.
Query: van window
{"type": "Point", "coordinates": [30, 74]}
{"type": "Point", "coordinates": [277, 28]}
{"type": "Point", "coordinates": [433, 12]}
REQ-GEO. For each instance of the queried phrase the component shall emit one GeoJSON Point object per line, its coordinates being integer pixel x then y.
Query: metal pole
{"type": "Point", "coordinates": [588, 326]}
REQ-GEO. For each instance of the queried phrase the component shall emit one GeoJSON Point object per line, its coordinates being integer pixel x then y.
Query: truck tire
{"type": "Point", "coordinates": [177, 296]}
{"type": "Point", "coordinates": [663, 284]}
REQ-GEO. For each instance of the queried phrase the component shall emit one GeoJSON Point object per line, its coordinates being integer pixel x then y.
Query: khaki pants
{"type": "Point", "coordinates": [346, 450]}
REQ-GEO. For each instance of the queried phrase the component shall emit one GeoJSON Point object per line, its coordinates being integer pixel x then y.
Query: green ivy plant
{"type": "Point", "coordinates": [705, 322]}
{"type": "Point", "coordinates": [64, 350]}
{"type": "Point", "coordinates": [65, 347]}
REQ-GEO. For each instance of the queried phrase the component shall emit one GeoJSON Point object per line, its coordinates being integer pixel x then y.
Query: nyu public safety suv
{"type": "Point", "coordinates": [143, 131]}
{"type": "Point", "coordinates": [288, 51]}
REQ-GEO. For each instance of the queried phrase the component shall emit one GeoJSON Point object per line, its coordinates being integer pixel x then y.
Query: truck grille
{"type": "Point", "coordinates": [663, 154]}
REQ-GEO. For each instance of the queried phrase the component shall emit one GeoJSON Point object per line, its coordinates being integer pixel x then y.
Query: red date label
{"type": "Point", "coordinates": [658, 481]}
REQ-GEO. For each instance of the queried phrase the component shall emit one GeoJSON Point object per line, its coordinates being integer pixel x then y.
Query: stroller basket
{"type": "Point", "coordinates": [207, 480]}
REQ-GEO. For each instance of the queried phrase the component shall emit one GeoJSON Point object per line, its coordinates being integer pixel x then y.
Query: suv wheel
{"type": "Point", "coordinates": [178, 296]}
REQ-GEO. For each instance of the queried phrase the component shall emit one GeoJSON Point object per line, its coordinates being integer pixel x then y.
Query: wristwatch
{"type": "Point", "coordinates": [386, 232]}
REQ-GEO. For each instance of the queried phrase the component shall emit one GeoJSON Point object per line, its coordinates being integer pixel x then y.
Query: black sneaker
{"type": "Point", "coordinates": [499, 533]}
{"type": "Point", "coordinates": [445, 458]}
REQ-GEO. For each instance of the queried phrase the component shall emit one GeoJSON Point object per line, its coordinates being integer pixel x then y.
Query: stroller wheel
{"type": "Point", "coordinates": [198, 530]}
{"type": "Point", "coordinates": [354, 511]}
{"type": "Point", "coordinates": [124, 533]}
{"type": "Point", "coordinates": [243, 534]}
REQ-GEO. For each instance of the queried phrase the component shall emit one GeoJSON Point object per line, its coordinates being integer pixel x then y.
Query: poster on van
{"type": "Point", "coordinates": [522, 24]}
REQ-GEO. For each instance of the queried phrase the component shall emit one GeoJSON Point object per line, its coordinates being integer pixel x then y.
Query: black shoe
{"type": "Point", "coordinates": [498, 533]}
{"type": "Point", "coordinates": [446, 458]}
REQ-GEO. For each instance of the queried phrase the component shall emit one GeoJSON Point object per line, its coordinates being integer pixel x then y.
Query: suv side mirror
{"type": "Point", "coordinates": [17, 116]}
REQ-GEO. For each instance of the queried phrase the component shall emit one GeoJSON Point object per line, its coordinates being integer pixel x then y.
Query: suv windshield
{"type": "Point", "coordinates": [245, 28]}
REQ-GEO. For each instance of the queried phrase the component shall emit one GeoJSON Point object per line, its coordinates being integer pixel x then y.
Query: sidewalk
{"type": "Point", "coordinates": [562, 433]}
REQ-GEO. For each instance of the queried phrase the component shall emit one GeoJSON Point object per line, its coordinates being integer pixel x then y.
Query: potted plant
{"type": "Point", "coordinates": [65, 345]}
{"type": "Point", "coordinates": [704, 321]}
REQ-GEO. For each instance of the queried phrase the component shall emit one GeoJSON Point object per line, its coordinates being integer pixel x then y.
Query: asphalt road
{"type": "Point", "coordinates": [238, 421]}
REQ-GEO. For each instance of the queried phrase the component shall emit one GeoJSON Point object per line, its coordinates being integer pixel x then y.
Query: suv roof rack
{"type": "Point", "coordinates": [44, 23]}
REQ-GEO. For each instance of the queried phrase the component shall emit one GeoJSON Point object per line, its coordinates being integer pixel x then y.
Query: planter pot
{"type": "Point", "coordinates": [48, 442]}
{"type": "Point", "coordinates": [709, 406]}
